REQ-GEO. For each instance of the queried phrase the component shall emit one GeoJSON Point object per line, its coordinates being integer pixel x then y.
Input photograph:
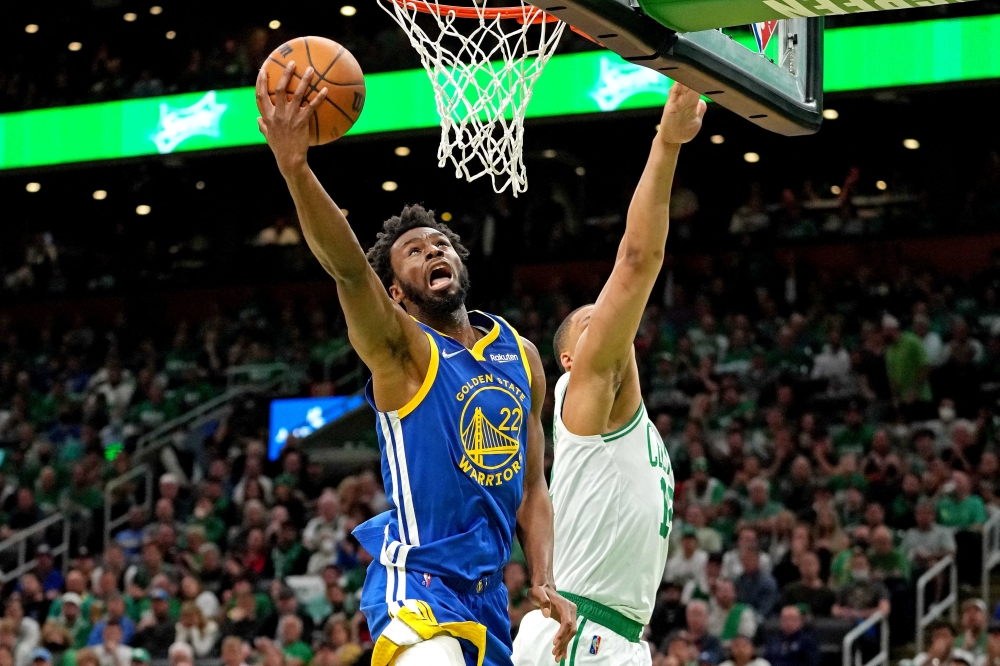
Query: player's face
{"type": "Point", "coordinates": [429, 273]}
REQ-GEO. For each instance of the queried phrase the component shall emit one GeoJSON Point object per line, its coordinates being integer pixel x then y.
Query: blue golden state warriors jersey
{"type": "Point", "coordinates": [453, 461]}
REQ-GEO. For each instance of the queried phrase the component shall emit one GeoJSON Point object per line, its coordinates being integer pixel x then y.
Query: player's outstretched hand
{"type": "Point", "coordinates": [682, 115]}
{"type": "Point", "coordinates": [285, 122]}
{"type": "Point", "coordinates": [559, 609]}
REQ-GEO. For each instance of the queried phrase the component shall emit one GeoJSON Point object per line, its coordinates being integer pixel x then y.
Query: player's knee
{"type": "Point", "coordinates": [438, 651]}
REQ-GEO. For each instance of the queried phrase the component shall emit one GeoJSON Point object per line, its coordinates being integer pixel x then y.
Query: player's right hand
{"type": "Point", "coordinates": [562, 610]}
{"type": "Point", "coordinates": [285, 122]}
{"type": "Point", "coordinates": [682, 115]}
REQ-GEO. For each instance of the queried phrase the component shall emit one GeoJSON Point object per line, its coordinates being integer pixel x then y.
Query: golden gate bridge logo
{"type": "Point", "coordinates": [486, 445]}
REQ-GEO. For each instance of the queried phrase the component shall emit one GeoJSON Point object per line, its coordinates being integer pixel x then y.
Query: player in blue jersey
{"type": "Point", "coordinates": [458, 397]}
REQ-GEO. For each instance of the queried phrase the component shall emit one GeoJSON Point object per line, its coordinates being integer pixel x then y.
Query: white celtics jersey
{"type": "Point", "coordinates": [613, 497]}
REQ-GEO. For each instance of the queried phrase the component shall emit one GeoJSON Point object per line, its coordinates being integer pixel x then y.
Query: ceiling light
{"type": "Point", "coordinates": [657, 127]}
{"type": "Point", "coordinates": [580, 171]}
{"type": "Point", "coordinates": [752, 158]}
{"type": "Point", "coordinates": [130, 16]}
{"type": "Point", "coordinates": [75, 46]}
{"type": "Point", "coordinates": [548, 153]}
{"type": "Point", "coordinates": [31, 28]}
{"type": "Point", "coordinates": [911, 144]}
{"type": "Point", "coordinates": [718, 139]}
{"type": "Point", "coordinates": [402, 151]}
{"type": "Point", "coordinates": [446, 216]}
{"type": "Point", "coordinates": [200, 185]}
{"type": "Point", "coordinates": [142, 210]}
{"type": "Point", "coordinates": [33, 187]}
{"type": "Point", "coordinates": [835, 189]}
{"type": "Point", "coordinates": [171, 34]}
{"type": "Point", "coordinates": [348, 10]}
{"type": "Point", "coordinates": [390, 186]}
{"type": "Point", "coordinates": [274, 25]}
{"type": "Point", "coordinates": [881, 185]}
{"type": "Point", "coordinates": [831, 114]}
{"type": "Point", "coordinates": [156, 10]}
{"type": "Point", "coordinates": [100, 195]}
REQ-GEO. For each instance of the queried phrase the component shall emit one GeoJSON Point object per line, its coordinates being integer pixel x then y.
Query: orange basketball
{"type": "Point", "coordinates": [336, 69]}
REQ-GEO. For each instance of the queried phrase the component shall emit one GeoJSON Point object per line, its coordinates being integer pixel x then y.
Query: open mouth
{"type": "Point", "coordinates": [440, 277]}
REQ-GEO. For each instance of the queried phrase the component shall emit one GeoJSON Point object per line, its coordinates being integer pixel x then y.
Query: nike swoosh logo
{"type": "Point", "coordinates": [447, 355]}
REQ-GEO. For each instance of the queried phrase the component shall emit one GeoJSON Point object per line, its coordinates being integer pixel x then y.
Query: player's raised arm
{"type": "Point", "coordinates": [604, 348]}
{"type": "Point", "coordinates": [379, 329]}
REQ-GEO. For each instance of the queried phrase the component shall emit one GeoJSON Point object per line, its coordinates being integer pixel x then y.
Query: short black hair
{"type": "Point", "coordinates": [559, 340]}
{"type": "Point", "coordinates": [412, 217]}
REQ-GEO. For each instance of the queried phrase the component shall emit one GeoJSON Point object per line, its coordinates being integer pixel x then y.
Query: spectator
{"type": "Point", "coordinates": [742, 650]}
{"type": "Point", "coordinates": [966, 513]}
{"type": "Point", "coordinates": [155, 632]}
{"type": "Point", "coordinates": [689, 564]}
{"type": "Point", "coordinates": [993, 645]}
{"type": "Point", "coordinates": [755, 587]}
{"type": "Point", "coordinates": [287, 604]}
{"type": "Point", "coordinates": [196, 630]}
{"type": "Point", "coordinates": [115, 613]}
{"type": "Point", "coordinates": [793, 645]}
{"type": "Point", "coordinates": [279, 233]}
{"type": "Point", "coordinates": [732, 565]}
{"type": "Point", "coordinates": [974, 636]}
{"type": "Point", "coordinates": [297, 652]}
{"type": "Point", "coordinates": [928, 542]}
{"type": "Point", "coordinates": [706, 645]}
{"type": "Point", "coordinates": [233, 652]}
{"type": "Point", "coordinates": [180, 654]}
{"type": "Point", "coordinates": [206, 601]}
{"type": "Point", "coordinates": [809, 590]}
{"type": "Point", "coordinates": [861, 596]}
{"type": "Point", "coordinates": [111, 651]}
{"type": "Point", "coordinates": [668, 614]}
{"type": "Point", "coordinates": [762, 511]}
{"type": "Point", "coordinates": [328, 526]}
{"type": "Point", "coordinates": [887, 562]}
{"type": "Point", "coordinates": [727, 618]}
{"type": "Point", "coordinates": [72, 619]}
{"type": "Point", "coordinates": [51, 578]}
{"type": "Point", "coordinates": [242, 621]}
{"type": "Point", "coordinates": [941, 645]}
{"type": "Point", "coordinates": [907, 367]}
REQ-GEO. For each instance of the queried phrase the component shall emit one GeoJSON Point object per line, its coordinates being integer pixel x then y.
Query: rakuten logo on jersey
{"type": "Point", "coordinates": [503, 358]}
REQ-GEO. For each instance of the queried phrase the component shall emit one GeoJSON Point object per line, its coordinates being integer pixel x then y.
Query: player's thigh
{"type": "Point", "coordinates": [594, 645]}
{"type": "Point", "coordinates": [438, 651]}
{"type": "Point", "coordinates": [533, 645]}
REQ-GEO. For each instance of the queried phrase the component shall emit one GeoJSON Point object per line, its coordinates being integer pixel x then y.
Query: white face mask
{"type": "Point", "coordinates": [946, 413]}
{"type": "Point", "coordinates": [863, 574]}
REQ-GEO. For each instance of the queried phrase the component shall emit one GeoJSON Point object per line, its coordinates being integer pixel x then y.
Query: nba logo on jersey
{"type": "Point", "coordinates": [427, 580]}
{"type": "Point", "coordinates": [763, 32]}
{"type": "Point", "coordinates": [595, 644]}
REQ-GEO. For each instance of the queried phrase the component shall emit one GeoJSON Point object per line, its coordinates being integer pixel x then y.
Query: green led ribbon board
{"type": "Point", "coordinates": [892, 55]}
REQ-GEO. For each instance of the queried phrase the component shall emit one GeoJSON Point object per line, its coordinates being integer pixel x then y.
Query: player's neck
{"type": "Point", "coordinates": [455, 325]}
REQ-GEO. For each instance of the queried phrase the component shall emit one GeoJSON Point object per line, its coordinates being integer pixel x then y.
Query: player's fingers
{"type": "Point", "coordinates": [262, 89]}
{"type": "Point", "coordinates": [317, 100]}
{"type": "Point", "coordinates": [280, 97]}
{"type": "Point", "coordinates": [262, 127]}
{"type": "Point", "coordinates": [300, 90]}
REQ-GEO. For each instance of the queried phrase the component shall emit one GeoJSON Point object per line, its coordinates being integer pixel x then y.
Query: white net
{"type": "Point", "coordinates": [483, 69]}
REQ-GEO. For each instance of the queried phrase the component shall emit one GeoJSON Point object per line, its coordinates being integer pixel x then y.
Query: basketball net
{"type": "Point", "coordinates": [482, 76]}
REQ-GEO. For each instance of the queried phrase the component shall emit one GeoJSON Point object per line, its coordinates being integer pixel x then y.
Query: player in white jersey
{"type": "Point", "coordinates": [612, 485]}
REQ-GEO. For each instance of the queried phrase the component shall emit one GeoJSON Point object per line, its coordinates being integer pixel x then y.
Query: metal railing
{"type": "Point", "coordinates": [991, 554]}
{"type": "Point", "coordinates": [109, 492]}
{"type": "Point", "coordinates": [23, 538]}
{"type": "Point", "coordinates": [850, 659]}
{"type": "Point", "coordinates": [254, 373]}
{"type": "Point", "coordinates": [949, 603]}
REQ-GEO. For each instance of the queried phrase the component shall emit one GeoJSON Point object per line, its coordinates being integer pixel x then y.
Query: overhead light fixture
{"type": "Point", "coordinates": [31, 28]}
{"type": "Point", "coordinates": [882, 185]}
{"type": "Point", "coordinates": [548, 153]}
{"type": "Point", "coordinates": [130, 16]}
{"type": "Point", "coordinates": [171, 34]}
{"type": "Point", "coordinates": [200, 185]}
{"type": "Point", "coordinates": [657, 128]}
{"type": "Point", "coordinates": [752, 158]}
{"type": "Point", "coordinates": [831, 114]}
{"type": "Point", "coordinates": [100, 195]}
{"type": "Point", "coordinates": [580, 171]}
{"type": "Point", "coordinates": [274, 25]}
{"type": "Point", "coordinates": [142, 209]}
{"type": "Point", "coordinates": [348, 10]}
{"type": "Point", "coordinates": [446, 216]}
{"type": "Point", "coordinates": [911, 144]}
{"type": "Point", "coordinates": [835, 189]}
{"type": "Point", "coordinates": [718, 139]}
{"type": "Point", "coordinates": [33, 187]}
{"type": "Point", "coordinates": [390, 186]}
{"type": "Point", "coordinates": [75, 46]}
{"type": "Point", "coordinates": [156, 10]}
{"type": "Point", "coordinates": [402, 151]}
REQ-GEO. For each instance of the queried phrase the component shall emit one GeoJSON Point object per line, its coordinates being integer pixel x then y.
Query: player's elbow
{"type": "Point", "coordinates": [642, 259]}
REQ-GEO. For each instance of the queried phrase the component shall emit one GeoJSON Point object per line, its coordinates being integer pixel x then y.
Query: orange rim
{"type": "Point", "coordinates": [520, 14]}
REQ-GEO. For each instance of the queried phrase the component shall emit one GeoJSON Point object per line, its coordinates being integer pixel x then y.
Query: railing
{"type": "Point", "coordinates": [22, 539]}
{"type": "Point", "coordinates": [109, 492]}
{"type": "Point", "coordinates": [991, 554]}
{"type": "Point", "coordinates": [254, 373]}
{"type": "Point", "coordinates": [854, 634]}
{"type": "Point", "coordinates": [936, 610]}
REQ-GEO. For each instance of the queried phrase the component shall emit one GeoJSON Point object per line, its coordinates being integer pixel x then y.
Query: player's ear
{"type": "Point", "coordinates": [566, 361]}
{"type": "Point", "coordinates": [395, 293]}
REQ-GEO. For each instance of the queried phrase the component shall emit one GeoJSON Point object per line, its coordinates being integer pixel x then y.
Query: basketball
{"type": "Point", "coordinates": [336, 69]}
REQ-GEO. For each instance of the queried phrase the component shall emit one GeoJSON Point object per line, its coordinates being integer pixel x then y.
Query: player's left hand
{"type": "Point", "coordinates": [559, 609]}
{"type": "Point", "coordinates": [682, 115]}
